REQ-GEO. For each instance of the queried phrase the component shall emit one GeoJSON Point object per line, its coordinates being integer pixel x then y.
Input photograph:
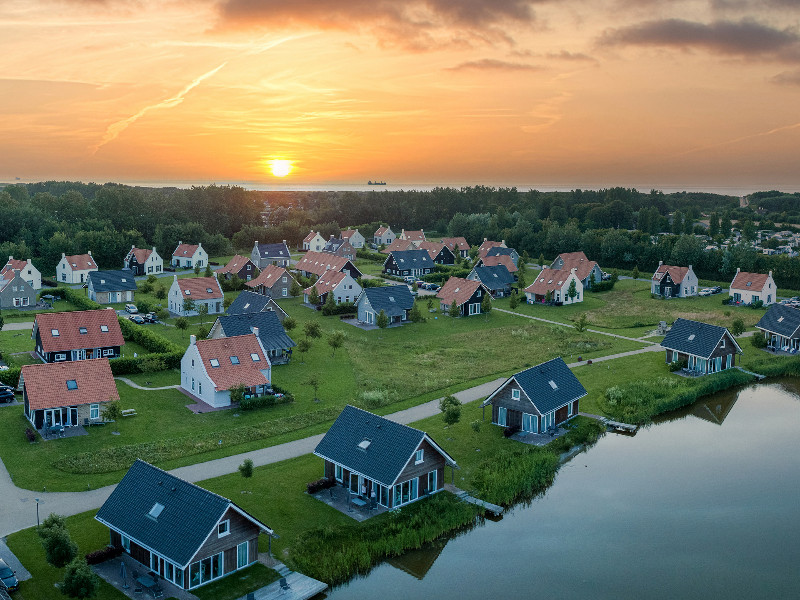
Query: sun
{"type": "Point", "coordinates": [280, 168]}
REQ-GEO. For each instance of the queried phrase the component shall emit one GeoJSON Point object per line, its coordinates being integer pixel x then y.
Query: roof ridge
{"type": "Point", "coordinates": [168, 474]}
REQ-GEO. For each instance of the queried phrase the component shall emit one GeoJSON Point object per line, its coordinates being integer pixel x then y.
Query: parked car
{"type": "Point", "coordinates": [150, 318]}
{"type": "Point", "coordinates": [433, 287]}
{"type": "Point", "coordinates": [138, 319]}
{"type": "Point", "coordinates": [131, 309]}
{"type": "Point", "coordinates": [8, 577]}
{"type": "Point", "coordinates": [6, 396]}
{"type": "Point", "coordinates": [716, 289]}
{"type": "Point", "coordinates": [705, 292]}
{"type": "Point", "coordinates": [409, 279]}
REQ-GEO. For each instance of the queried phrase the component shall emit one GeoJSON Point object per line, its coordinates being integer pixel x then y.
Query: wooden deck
{"type": "Point", "coordinates": [756, 375]}
{"type": "Point", "coordinates": [616, 425]}
{"type": "Point", "coordinates": [465, 497]}
{"type": "Point", "coordinates": [301, 587]}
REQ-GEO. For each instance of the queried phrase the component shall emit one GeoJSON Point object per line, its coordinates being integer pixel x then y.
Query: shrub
{"type": "Point", "coordinates": [146, 337]}
{"type": "Point", "coordinates": [202, 332]}
{"type": "Point", "coordinates": [757, 304]}
{"type": "Point", "coordinates": [320, 484]}
{"type": "Point", "coordinates": [678, 365]}
{"type": "Point", "coordinates": [758, 340]}
{"type": "Point", "coordinates": [182, 323]}
{"type": "Point", "coordinates": [373, 399]}
{"type": "Point", "coordinates": [79, 580]}
{"type": "Point", "coordinates": [59, 549]}
{"type": "Point", "coordinates": [382, 321]}
{"type": "Point", "coordinates": [338, 309]}
{"type": "Point", "coordinates": [737, 327]}
{"type": "Point", "coordinates": [30, 434]}
{"type": "Point", "coordinates": [476, 426]}
{"type": "Point", "coordinates": [246, 468]}
{"type": "Point", "coordinates": [129, 366]}
{"type": "Point", "coordinates": [10, 376]}
{"type": "Point", "coordinates": [264, 401]}
{"type": "Point", "coordinates": [99, 556]}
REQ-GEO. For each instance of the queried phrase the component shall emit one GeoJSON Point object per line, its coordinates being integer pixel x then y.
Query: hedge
{"type": "Point", "coordinates": [265, 401]}
{"type": "Point", "coordinates": [345, 308]}
{"type": "Point", "coordinates": [373, 256]}
{"type": "Point", "coordinates": [75, 297]}
{"type": "Point", "coordinates": [102, 555]}
{"type": "Point", "coordinates": [10, 376]}
{"type": "Point", "coordinates": [147, 338]}
{"type": "Point", "coordinates": [131, 365]}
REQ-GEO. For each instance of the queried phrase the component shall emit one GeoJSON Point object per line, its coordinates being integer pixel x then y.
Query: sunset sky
{"type": "Point", "coordinates": [589, 93]}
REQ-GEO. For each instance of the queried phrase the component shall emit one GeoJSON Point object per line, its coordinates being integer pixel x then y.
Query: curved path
{"type": "Point", "coordinates": [139, 387]}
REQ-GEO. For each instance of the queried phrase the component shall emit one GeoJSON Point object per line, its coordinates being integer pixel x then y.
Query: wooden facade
{"type": "Point", "coordinates": [723, 357]}
{"type": "Point", "coordinates": [75, 354]}
{"type": "Point", "coordinates": [511, 411]}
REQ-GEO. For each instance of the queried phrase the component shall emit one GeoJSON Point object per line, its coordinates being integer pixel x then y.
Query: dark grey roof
{"type": "Point", "coordinates": [391, 299]}
{"type": "Point", "coordinates": [270, 329]}
{"type": "Point", "coordinates": [333, 245]}
{"type": "Point", "coordinates": [248, 302]}
{"type": "Point", "coordinates": [500, 251]}
{"type": "Point", "coordinates": [391, 445]}
{"type": "Point", "coordinates": [494, 278]}
{"type": "Point", "coordinates": [189, 512]}
{"type": "Point", "coordinates": [781, 319]}
{"type": "Point", "coordinates": [549, 385]}
{"type": "Point", "coordinates": [112, 281]}
{"type": "Point", "coordinates": [694, 337]}
{"type": "Point", "coordinates": [413, 259]}
{"type": "Point", "coordinates": [273, 250]}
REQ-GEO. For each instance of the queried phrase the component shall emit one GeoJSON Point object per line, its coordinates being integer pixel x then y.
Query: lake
{"type": "Point", "coordinates": [705, 503]}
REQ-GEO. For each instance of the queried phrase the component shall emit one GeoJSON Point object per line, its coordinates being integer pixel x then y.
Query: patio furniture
{"type": "Point", "coordinates": [359, 501]}
{"type": "Point", "coordinates": [157, 591]}
{"type": "Point", "coordinates": [284, 585]}
{"type": "Point", "coordinates": [251, 596]}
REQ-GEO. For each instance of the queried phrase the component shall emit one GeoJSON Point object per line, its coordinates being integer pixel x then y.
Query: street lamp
{"type": "Point", "coordinates": [37, 512]}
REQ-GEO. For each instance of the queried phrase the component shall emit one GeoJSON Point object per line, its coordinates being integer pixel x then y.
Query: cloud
{"type": "Point", "coordinates": [746, 38]}
{"type": "Point", "coordinates": [571, 56]}
{"type": "Point", "coordinates": [787, 78]}
{"type": "Point", "coordinates": [490, 64]}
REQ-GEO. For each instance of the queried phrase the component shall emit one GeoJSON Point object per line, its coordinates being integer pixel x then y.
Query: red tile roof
{"type": "Point", "coordinates": [200, 288]}
{"type": "Point", "coordinates": [69, 324]}
{"type": "Point", "coordinates": [380, 231]}
{"type": "Point", "coordinates": [454, 242]}
{"type": "Point", "coordinates": [433, 248]}
{"type": "Point", "coordinates": [414, 236]}
{"type": "Point", "coordinates": [81, 262]}
{"type": "Point", "coordinates": [676, 273]}
{"type": "Point", "coordinates": [398, 244]}
{"type": "Point", "coordinates": [548, 280]}
{"type": "Point", "coordinates": [13, 263]}
{"type": "Point", "coordinates": [347, 234]}
{"type": "Point", "coordinates": [486, 245]}
{"type": "Point", "coordinates": [186, 250]}
{"type": "Point", "coordinates": [578, 261]}
{"type": "Point", "coordinates": [235, 264]}
{"type": "Point", "coordinates": [268, 277]}
{"type": "Point", "coordinates": [326, 282]}
{"type": "Point", "coordinates": [46, 384]}
{"type": "Point", "coordinates": [141, 254]}
{"type": "Point", "coordinates": [316, 262]}
{"type": "Point", "coordinates": [757, 281]}
{"type": "Point", "coordinates": [459, 289]}
{"type": "Point", "coordinates": [493, 261]}
{"type": "Point", "coordinates": [310, 236]}
{"type": "Point", "coordinates": [228, 375]}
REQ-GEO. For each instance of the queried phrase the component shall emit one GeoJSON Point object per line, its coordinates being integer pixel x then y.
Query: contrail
{"type": "Point", "coordinates": [741, 139]}
{"type": "Point", "coordinates": [116, 128]}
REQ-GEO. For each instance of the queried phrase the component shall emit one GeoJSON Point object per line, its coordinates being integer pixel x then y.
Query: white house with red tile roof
{"type": "Point", "coordinates": [354, 237]}
{"type": "Point", "coordinates": [398, 244]}
{"type": "Point", "coordinates": [415, 236]}
{"type": "Point", "coordinates": [752, 287]}
{"type": "Point", "coordinates": [75, 268]}
{"type": "Point", "coordinates": [143, 261]}
{"type": "Point", "coordinates": [201, 290]}
{"type": "Point", "coordinates": [557, 282]}
{"type": "Point", "coordinates": [343, 286]}
{"type": "Point", "coordinates": [487, 244]}
{"type": "Point", "coordinates": [26, 269]}
{"type": "Point", "coordinates": [15, 292]}
{"type": "Point", "coordinates": [210, 368]}
{"type": "Point", "coordinates": [273, 281]}
{"type": "Point", "coordinates": [318, 263]}
{"type": "Point", "coordinates": [584, 268]}
{"type": "Point", "coordinates": [493, 261]}
{"type": "Point", "coordinates": [313, 241]}
{"type": "Point", "coordinates": [467, 294]}
{"type": "Point", "coordinates": [457, 245]}
{"type": "Point", "coordinates": [77, 335]}
{"type": "Point", "coordinates": [239, 265]}
{"type": "Point", "coordinates": [189, 256]}
{"type": "Point", "coordinates": [68, 393]}
{"type": "Point", "coordinates": [383, 235]}
{"type": "Point", "coordinates": [674, 282]}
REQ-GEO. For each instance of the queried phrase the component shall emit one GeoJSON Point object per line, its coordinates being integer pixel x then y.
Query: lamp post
{"type": "Point", "coordinates": [37, 512]}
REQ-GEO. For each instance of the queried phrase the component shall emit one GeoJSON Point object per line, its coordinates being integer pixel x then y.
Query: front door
{"type": "Point", "coordinates": [354, 486]}
{"type": "Point", "coordinates": [528, 422]}
{"type": "Point", "coordinates": [501, 416]}
{"type": "Point", "coordinates": [73, 415]}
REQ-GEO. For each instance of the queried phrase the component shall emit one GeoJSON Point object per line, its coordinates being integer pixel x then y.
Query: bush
{"type": "Point", "coordinates": [339, 309]}
{"type": "Point", "coordinates": [182, 323]}
{"type": "Point", "coordinates": [757, 304]}
{"type": "Point", "coordinates": [11, 376]}
{"type": "Point", "coordinates": [79, 580]}
{"type": "Point", "coordinates": [146, 337]}
{"type": "Point", "coordinates": [678, 365]}
{"type": "Point", "coordinates": [30, 434]}
{"type": "Point", "coordinates": [99, 556]}
{"type": "Point", "coordinates": [130, 366]}
{"type": "Point", "coordinates": [264, 401]}
{"type": "Point", "coordinates": [320, 484]}
{"type": "Point", "coordinates": [758, 340]}
{"type": "Point", "coordinates": [509, 431]}
{"type": "Point", "coordinates": [246, 468]}
{"type": "Point", "coordinates": [59, 549]}
{"type": "Point", "coordinates": [372, 256]}
{"type": "Point", "coordinates": [373, 399]}
{"type": "Point", "coordinates": [75, 297]}
{"type": "Point", "coordinates": [476, 426]}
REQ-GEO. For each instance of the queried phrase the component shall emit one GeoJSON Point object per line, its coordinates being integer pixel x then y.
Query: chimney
{"type": "Point", "coordinates": [90, 252]}
{"type": "Point", "coordinates": [192, 340]}
{"type": "Point", "coordinates": [284, 242]}
{"type": "Point", "coordinates": [255, 244]}
{"type": "Point", "coordinates": [327, 267]}
{"type": "Point", "coordinates": [29, 262]}
{"type": "Point", "coordinates": [10, 258]}
{"type": "Point", "coordinates": [738, 269]}
{"type": "Point", "coordinates": [180, 243]}
{"type": "Point", "coordinates": [255, 331]}
{"type": "Point", "coordinates": [661, 262]}
{"type": "Point", "coordinates": [133, 246]}
{"type": "Point", "coordinates": [63, 255]}
{"type": "Point", "coordinates": [770, 273]}
{"type": "Point", "coordinates": [331, 236]}
{"type": "Point", "coordinates": [175, 278]}
{"type": "Point", "coordinates": [503, 243]}
{"type": "Point", "coordinates": [485, 240]}
{"type": "Point", "coordinates": [690, 267]}
{"type": "Point", "coordinates": [572, 270]}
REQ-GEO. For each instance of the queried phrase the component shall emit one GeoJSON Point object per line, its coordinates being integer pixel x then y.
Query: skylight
{"type": "Point", "coordinates": [209, 290]}
{"type": "Point", "coordinates": [83, 330]}
{"type": "Point", "coordinates": [780, 320]}
{"type": "Point", "coordinates": [155, 511]}
{"type": "Point", "coordinates": [188, 292]}
{"type": "Point", "coordinates": [391, 298]}
{"type": "Point", "coordinates": [103, 280]}
{"type": "Point", "coordinates": [72, 384]}
{"type": "Point", "coordinates": [255, 357]}
{"type": "Point", "coordinates": [364, 444]}
{"type": "Point", "coordinates": [234, 360]}
{"type": "Point", "coordinates": [553, 384]}
{"type": "Point", "coordinates": [749, 283]}
{"type": "Point", "coordinates": [691, 337]}
{"type": "Point", "coordinates": [104, 328]}
{"type": "Point", "coordinates": [54, 332]}
{"type": "Point", "coordinates": [246, 305]}
{"type": "Point", "coordinates": [214, 362]}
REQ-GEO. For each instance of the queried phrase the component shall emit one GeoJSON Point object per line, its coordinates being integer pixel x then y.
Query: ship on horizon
{"type": "Point", "coordinates": [370, 182]}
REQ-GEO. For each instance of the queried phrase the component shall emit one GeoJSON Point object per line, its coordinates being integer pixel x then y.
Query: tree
{"type": "Point", "coordinates": [202, 310]}
{"type": "Point", "coordinates": [59, 549]}
{"type": "Point", "coordinates": [451, 410]}
{"type": "Point", "coordinates": [202, 332]}
{"type": "Point", "coordinates": [313, 381]}
{"type": "Point", "coordinates": [112, 412]}
{"type": "Point", "coordinates": [197, 269]}
{"type": "Point", "coordinates": [226, 304]}
{"type": "Point", "coordinates": [748, 231]}
{"type": "Point", "coordinates": [1, 322]}
{"type": "Point", "coordinates": [182, 323]}
{"type": "Point", "coordinates": [415, 314]}
{"type": "Point", "coordinates": [312, 330]}
{"type": "Point", "coordinates": [303, 346]}
{"type": "Point", "coordinates": [513, 302]}
{"type": "Point", "coordinates": [548, 297]}
{"type": "Point", "coordinates": [313, 296]}
{"type": "Point", "coordinates": [737, 327]}
{"type": "Point", "coordinates": [336, 341]}
{"type": "Point", "coordinates": [289, 323]}
{"type": "Point", "coordinates": [581, 323]}
{"type": "Point", "coordinates": [208, 272]}
{"type": "Point", "coordinates": [188, 305]}
{"type": "Point", "coordinates": [541, 260]}
{"type": "Point", "coordinates": [521, 282]}
{"type": "Point", "coordinates": [486, 305]}
{"type": "Point", "coordinates": [161, 292]}
{"type": "Point", "coordinates": [572, 290]}
{"type": "Point", "coordinates": [246, 468]}
{"type": "Point", "coordinates": [382, 321]}
{"type": "Point", "coordinates": [330, 304]}
{"type": "Point", "coordinates": [295, 289]}
{"type": "Point", "coordinates": [162, 314]}
{"type": "Point", "coordinates": [635, 273]}
{"type": "Point", "coordinates": [454, 311]}
{"type": "Point", "coordinates": [79, 579]}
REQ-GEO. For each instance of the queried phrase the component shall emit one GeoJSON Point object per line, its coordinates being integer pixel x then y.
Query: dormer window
{"type": "Point", "coordinates": [72, 384]}
{"type": "Point", "coordinates": [691, 337]}
{"type": "Point", "coordinates": [104, 328]}
{"type": "Point", "coordinates": [209, 290]}
{"type": "Point", "coordinates": [83, 330]}
{"type": "Point", "coordinates": [214, 362]}
{"type": "Point", "coordinates": [255, 357]}
{"type": "Point", "coordinates": [246, 305]}
{"type": "Point", "coordinates": [234, 360]}
{"type": "Point", "coordinates": [188, 292]}
{"type": "Point", "coordinates": [54, 332]}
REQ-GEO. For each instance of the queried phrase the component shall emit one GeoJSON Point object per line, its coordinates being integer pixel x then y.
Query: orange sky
{"type": "Point", "coordinates": [503, 92]}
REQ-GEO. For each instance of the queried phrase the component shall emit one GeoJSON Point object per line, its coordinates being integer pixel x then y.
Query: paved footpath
{"type": "Point", "coordinates": [22, 325]}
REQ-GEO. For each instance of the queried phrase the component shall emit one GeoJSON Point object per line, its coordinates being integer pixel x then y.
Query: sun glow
{"type": "Point", "coordinates": [280, 168]}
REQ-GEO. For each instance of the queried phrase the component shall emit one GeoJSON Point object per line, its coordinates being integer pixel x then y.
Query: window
{"type": "Point", "coordinates": [108, 352]}
{"type": "Point", "coordinates": [126, 543]}
{"type": "Point", "coordinates": [553, 384]}
{"type": "Point", "coordinates": [54, 332]}
{"type": "Point", "coordinates": [59, 357]}
{"type": "Point", "coordinates": [234, 360]}
{"type": "Point", "coordinates": [419, 456]}
{"type": "Point", "coordinates": [188, 292]}
{"type": "Point", "coordinates": [284, 292]}
{"type": "Point", "coordinates": [283, 279]}
{"type": "Point", "coordinates": [214, 362]}
{"type": "Point", "coordinates": [199, 387]}
{"type": "Point", "coordinates": [569, 409]}
{"type": "Point", "coordinates": [501, 416]}
{"type": "Point", "coordinates": [255, 357]}
{"type": "Point", "coordinates": [515, 394]}
{"type": "Point", "coordinates": [156, 510]}
{"type": "Point", "coordinates": [338, 472]}
{"type": "Point", "coordinates": [192, 383]}
{"type": "Point", "coordinates": [241, 555]}
{"type": "Point", "coordinates": [94, 411]}
{"type": "Point", "coordinates": [722, 345]}
{"type": "Point", "coordinates": [224, 528]}
{"type": "Point", "coordinates": [83, 330]}
{"type": "Point", "coordinates": [72, 384]}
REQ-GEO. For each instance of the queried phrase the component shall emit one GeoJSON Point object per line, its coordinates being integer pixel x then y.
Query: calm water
{"type": "Point", "coordinates": [705, 504]}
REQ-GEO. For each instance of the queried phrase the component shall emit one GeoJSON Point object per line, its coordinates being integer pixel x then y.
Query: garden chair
{"type": "Point", "coordinates": [284, 585]}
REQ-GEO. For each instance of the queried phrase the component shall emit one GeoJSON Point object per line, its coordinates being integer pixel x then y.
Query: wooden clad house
{"type": "Point", "coordinates": [706, 348]}
{"type": "Point", "coordinates": [467, 295]}
{"type": "Point", "coordinates": [77, 335]}
{"type": "Point", "coordinates": [273, 281]}
{"type": "Point", "coordinates": [496, 279]}
{"type": "Point", "coordinates": [270, 254]}
{"type": "Point", "coordinates": [251, 302]}
{"type": "Point", "coordinates": [395, 301]}
{"type": "Point", "coordinates": [441, 254]}
{"type": "Point", "coordinates": [457, 245]}
{"type": "Point", "coordinates": [143, 261]}
{"type": "Point", "coordinates": [781, 328]}
{"type": "Point", "coordinates": [537, 399]}
{"type": "Point", "coordinates": [239, 265]}
{"type": "Point", "coordinates": [674, 282]}
{"type": "Point", "coordinates": [378, 459]}
{"type": "Point", "coordinates": [404, 263]}
{"type": "Point", "coordinates": [183, 533]}
{"type": "Point", "coordinates": [108, 287]}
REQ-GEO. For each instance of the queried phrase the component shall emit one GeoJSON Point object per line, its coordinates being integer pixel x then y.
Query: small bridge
{"type": "Point", "coordinates": [465, 497]}
{"type": "Point", "coordinates": [756, 375]}
{"type": "Point", "coordinates": [616, 425]}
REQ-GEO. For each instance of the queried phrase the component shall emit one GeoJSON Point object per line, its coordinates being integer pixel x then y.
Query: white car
{"type": "Point", "coordinates": [131, 309]}
{"type": "Point", "coordinates": [705, 292]}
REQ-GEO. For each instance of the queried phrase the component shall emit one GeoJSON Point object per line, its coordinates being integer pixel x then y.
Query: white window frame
{"type": "Point", "coordinates": [126, 543]}
{"type": "Point", "coordinates": [515, 395]}
{"type": "Point", "coordinates": [502, 416]}
{"type": "Point", "coordinates": [419, 456]}
{"type": "Point", "coordinates": [94, 411]}
{"type": "Point", "coordinates": [224, 528]}
{"type": "Point", "coordinates": [338, 473]}
{"type": "Point", "coordinates": [239, 563]}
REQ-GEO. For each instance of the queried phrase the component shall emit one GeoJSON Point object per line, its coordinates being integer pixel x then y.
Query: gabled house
{"type": "Point", "coordinates": [143, 261]}
{"type": "Point", "coordinates": [457, 245]}
{"type": "Point", "coordinates": [210, 368]}
{"type": "Point", "coordinates": [706, 348]}
{"type": "Point", "coordinates": [77, 335]}
{"type": "Point", "coordinates": [184, 534]}
{"type": "Point", "coordinates": [467, 294]}
{"type": "Point", "coordinates": [354, 237]}
{"type": "Point", "coordinates": [108, 287]}
{"type": "Point", "coordinates": [67, 394]}
{"type": "Point", "coordinates": [486, 245]}
{"type": "Point", "coordinates": [405, 263]}
{"type": "Point", "coordinates": [270, 254]}
{"type": "Point", "coordinates": [441, 254]}
{"type": "Point", "coordinates": [15, 291]}
{"type": "Point", "coordinates": [273, 281]}
{"type": "Point", "coordinates": [189, 256]}
{"type": "Point", "coordinates": [585, 269]}
{"type": "Point", "coordinates": [417, 237]}
{"type": "Point", "coordinates": [26, 269]}
{"type": "Point", "coordinates": [76, 268]}
{"type": "Point", "coordinates": [395, 301]}
{"type": "Point", "coordinates": [251, 302]}
{"type": "Point", "coordinates": [266, 325]}
{"type": "Point", "coordinates": [747, 288]}
{"type": "Point", "coordinates": [781, 327]}
{"type": "Point", "coordinates": [493, 261]}
{"type": "Point", "coordinates": [674, 282]}
{"type": "Point", "coordinates": [537, 399]}
{"type": "Point", "coordinates": [318, 263]}
{"type": "Point", "coordinates": [342, 285]}
{"type": "Point", "coordinates": [378, 459]}
{"type": "Point", "coordinates": [313, 241]}
{"type": "Point", "coordinates": [502, 251]}
{"type": "Point", "coordinates": [200, 290]}
{"type": "Point", "coordinates": [383, 236]}
{"type": "Point", "coordinates": [340, 247]}
{"type": "Point", "coordinates": [554, 283]}
{"type": "Point", "coordinates": [239, 265]}
{"type": "Point", "coordinates": [496, 279]}
{"type": "Point", "coordinates": [398, 244]}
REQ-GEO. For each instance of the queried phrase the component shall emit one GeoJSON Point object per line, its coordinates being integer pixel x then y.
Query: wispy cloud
{"type": "Point", "coordinates": [491, 64]}
{"type": "Point", "coordinates": [743, 138]}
